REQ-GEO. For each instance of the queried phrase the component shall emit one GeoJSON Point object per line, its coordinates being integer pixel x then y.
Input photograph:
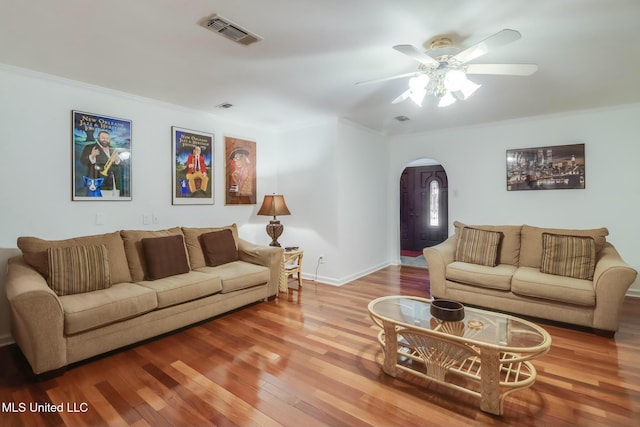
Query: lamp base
{"type": "Point", "coordinates": [274, 230]}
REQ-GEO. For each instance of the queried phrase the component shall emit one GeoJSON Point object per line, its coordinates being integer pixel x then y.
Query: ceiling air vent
{"type": "Point", "coordinates": [230, 30]}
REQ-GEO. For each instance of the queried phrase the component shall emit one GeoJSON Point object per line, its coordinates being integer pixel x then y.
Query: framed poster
{"type": "Point", "coordinates": [240, 158]}
{"type": "Point", "coordinates": [101, 157]}
{"type": "Point", "coordinates": [192, 171]}
{"type": "Point", "coordinates": [546, 168]}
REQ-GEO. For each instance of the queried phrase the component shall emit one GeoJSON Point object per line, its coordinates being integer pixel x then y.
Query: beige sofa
{"type": "Point", "coordinates": [538, 272]}
{"type": "Point", "coordinates": [197, 273]}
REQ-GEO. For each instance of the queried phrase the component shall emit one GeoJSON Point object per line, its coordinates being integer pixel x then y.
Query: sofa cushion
{"type": "Point", "coordinates": [477, 246]}
{"type": "Point", "coordinates": [509, 248]}
{"type": "Point", "coordinates": [570, 256]}
{"type": "Point", "coordinates": [498, 277]}
{"type": "Point", "coordinates": [194, 246]}
{"type": "Point", "coordinates": [132, 240]}
{"type": "Point", "coordinates": [529, 281]}
{"type": "Point", "coordinates": [531, 250]}
{"type": "Point", "coordinates": [83, 312]}
{"type": "Point", "coordinates": [239, 275]}
{"type": "Point", "coordinates": [34, 251]}
{"type": "Point", "coordinates": [219, 247]}
{"type": "Point", "coordinates": [165, 256]}
{"type": "Point", "coordinates": [181, 288]}
{"type": "Point", "coordinates": [78, 269]}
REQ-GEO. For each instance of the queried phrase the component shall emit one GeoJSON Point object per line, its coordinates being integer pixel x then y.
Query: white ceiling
{"type": "Point", "coordinates": [313, 52]}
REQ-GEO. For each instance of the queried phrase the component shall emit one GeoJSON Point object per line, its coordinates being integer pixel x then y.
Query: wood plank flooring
{"type": "Point", "coordinates": [310, 358]}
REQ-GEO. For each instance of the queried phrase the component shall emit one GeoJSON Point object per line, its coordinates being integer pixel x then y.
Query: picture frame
{"type": "Point", "coordinates": [546, 168]}
{"type": "Point", "coordinates": [101, 157]}
{"type": "Point", "coordinates": [192, 167]}
{"type": "Point", "coordinates": [240, 171]}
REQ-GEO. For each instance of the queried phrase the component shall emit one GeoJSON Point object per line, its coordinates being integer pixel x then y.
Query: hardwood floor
{"type": "Point", "coordinates": [311, 358]}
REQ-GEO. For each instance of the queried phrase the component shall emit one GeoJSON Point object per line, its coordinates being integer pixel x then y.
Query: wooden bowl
{"type": "Point", "coordinates": [447, 310]}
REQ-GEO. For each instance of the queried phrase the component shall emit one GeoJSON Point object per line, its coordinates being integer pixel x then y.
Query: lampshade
{"type": "Point", "coordinates": [274, 205]}
{"type": "Point", "coordinates": [447, 99]}
{"type": "Point", "coordinates": [445, 84]}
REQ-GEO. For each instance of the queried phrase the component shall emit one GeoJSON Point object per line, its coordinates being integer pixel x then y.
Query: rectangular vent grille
{"type": "Point", "coordinates": [230, 30]}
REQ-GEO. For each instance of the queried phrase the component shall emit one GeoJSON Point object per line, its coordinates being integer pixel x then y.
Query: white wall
{"type": "Point", "coordinates": [333, 175]}
{"type": "Point", "coordinates": [35, 116]}
{"type": "Point", "coordinates": [475, 161]}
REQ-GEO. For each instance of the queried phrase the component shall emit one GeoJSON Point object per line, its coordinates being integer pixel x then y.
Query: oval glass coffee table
{"type": "Point", "coordinates": [486, 354]}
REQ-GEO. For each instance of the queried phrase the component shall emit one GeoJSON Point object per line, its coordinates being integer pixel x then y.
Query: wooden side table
{"type": "Point", "coordinates": [291, 264]}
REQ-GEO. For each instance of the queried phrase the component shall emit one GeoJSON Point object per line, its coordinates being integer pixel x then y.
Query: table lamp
{"type": "Point", "coordinates": [272, 206]}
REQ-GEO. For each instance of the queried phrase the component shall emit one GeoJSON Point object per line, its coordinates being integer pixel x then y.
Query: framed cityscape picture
{"type": "Point", "coordinates": [240, 159]}
{"type": "Point", "coordinates": [101, 157]}
{"type": "Point", "coordinates": [192, 167]}
{"type": "Point", "coordinates": [546, 168]}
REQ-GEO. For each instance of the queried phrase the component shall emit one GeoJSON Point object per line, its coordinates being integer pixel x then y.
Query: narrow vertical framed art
{"type": "Point", "coordinates": [101, 157]}
{"type": "Point", "coordinates": [192, 167]}
{"type": "Point", "coordinates": [240, 173]}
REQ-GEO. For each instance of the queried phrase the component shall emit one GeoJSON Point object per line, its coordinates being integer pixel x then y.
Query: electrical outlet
{"type": "Point", "coordinates": [155, 219]}
{"type": "Point", "coordinates": [321, 259]}
{"type": "Point", "coordinates": [146, 219]}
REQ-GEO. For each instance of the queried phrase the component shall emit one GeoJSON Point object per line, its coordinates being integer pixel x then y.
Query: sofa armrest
{"type": "Point", "coordinates": [438, 257]}
{"type": "Point", "coordinates": [611, 280]}
{"type": "Point", "coordinates": [37, 317]}
{"type": "Point", "coordinates": [268, 256]}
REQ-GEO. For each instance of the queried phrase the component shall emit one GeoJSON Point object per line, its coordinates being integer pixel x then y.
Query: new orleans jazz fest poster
{"type": "Point", "coordinates": [192, 167]}
{"type": "Point", "coordinates": [240, 158]}
{"type": "Point", "coordinates": [101, 157]}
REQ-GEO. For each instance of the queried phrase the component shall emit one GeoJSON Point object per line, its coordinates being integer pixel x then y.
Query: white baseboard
{"type": "Point", "coordinates": [344, 280]}
{"type": "Point", "coordinates": [6, 339]}
{"type": "Point", "coordinates": [634, 293]}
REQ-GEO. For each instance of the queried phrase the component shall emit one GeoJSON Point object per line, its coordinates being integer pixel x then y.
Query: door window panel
{"type": "Point", "coordinates": [434, 204]}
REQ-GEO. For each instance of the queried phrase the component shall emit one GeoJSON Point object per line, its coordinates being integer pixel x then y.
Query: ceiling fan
{"type": "Point", "coordinates": [444, 68]}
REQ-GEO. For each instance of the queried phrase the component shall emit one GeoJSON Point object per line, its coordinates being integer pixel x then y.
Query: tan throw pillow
{"type": "Point", "coordinates": [531, 247]}
{"type": "Point", "coordinates": [219, 247]}
{"type": "Point", "coordinates": [78, 269]}
{"type": "Point", "coordinates": [34, 251]}
{"type": "Point", "coordinates": [570, 256]}
{"type": "Point", "coordinates": [477, 246]}
{"type": "Point", "coordinates": [509, 249]}
{"type": "Point", "coordinates": [165, 256]}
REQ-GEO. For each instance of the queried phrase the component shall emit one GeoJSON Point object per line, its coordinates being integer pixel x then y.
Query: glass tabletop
{"type": "Point", "coordinates": [478, 325]}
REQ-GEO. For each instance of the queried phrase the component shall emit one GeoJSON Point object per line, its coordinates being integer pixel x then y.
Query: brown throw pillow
{"type": "Point", "coordinates": [165, 256]}
{"type": "Point", "coordinates": [570, 256]}
{"type": "Point", "coordinates": [78, 269]}
{"type": "Point", "coordinates": [478, 246]}
{"type": "Point", "coordinates": [219, 247]}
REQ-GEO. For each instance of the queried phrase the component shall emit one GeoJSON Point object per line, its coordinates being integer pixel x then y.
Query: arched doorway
{"type": "Point", "coordinates": [424, 201]}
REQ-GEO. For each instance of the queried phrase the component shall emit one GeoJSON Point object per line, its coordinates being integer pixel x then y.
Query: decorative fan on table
{"type": "Point", "coordinates": [444, 68]}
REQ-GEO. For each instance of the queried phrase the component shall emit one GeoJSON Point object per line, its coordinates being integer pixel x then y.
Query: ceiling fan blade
{"type": "Point", "coordinates": [500, 38]}
{"type": "Point", "coordinates": [417, 54]}
{"type": "Point", "coordinates": [402, 97]}
{"type": "Point", "coordinates": [502, 69]}
{"type": "Point", "coordinates": [383, 79]}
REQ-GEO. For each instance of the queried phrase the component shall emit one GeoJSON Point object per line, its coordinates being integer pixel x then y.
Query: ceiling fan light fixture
{"type": "Point", "coordinates": [455, 79]}
{"type": "Point", "coordinates": [446, 100]}
{"type": "Point", "coordinates": [468, 88]}
{"type": "Point", "coordinates": [418, 82]}
{"type": "Point", "coordinates": [417, 88]}
{"type": "Point", "coordinates": [417, 95]}
{"type": "Point", "coordinates": [442, 73]}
